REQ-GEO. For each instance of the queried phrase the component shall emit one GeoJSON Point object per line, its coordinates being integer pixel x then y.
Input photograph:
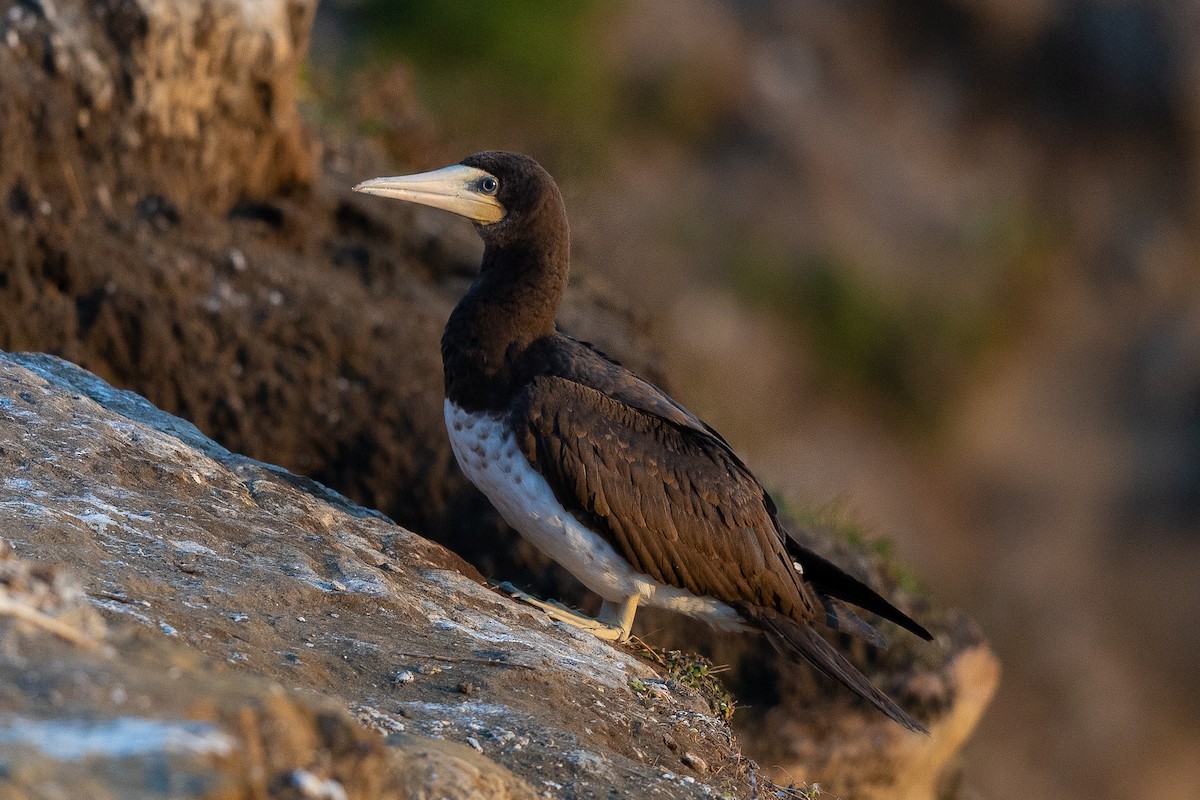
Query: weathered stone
{"type": "Point", "coordinates": [222, 579]}
{"type": "Point", "coordinates": [198, 97]}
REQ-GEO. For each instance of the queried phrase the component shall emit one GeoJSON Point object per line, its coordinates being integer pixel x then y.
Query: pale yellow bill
{"type": "Point", "coordinates": [455, 189]}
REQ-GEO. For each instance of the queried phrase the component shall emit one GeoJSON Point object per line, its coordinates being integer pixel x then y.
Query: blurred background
{"type": "Point", "coordinates": [932, 265]}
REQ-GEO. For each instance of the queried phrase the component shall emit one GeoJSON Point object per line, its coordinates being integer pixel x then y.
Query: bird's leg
{"type": "Point", "coordinates": [601, 628]}
{"type": "Point", "coordinates": [620, 615]}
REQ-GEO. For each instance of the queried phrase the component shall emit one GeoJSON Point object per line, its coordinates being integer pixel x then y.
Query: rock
{"type": "Point", "coordinates": [245, 609]}
{"type": "Point", "coordinates": [447, 769]}
{"type": "Point", "coordinates": [200, 97]}
{"type": "Point", "coordinates": [47, 599]}
{"type": "Point", "coordinates": [866, 759]}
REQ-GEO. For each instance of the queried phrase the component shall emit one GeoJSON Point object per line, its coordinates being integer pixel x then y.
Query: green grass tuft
{"type": "Point", "coordinates": [688, 669]}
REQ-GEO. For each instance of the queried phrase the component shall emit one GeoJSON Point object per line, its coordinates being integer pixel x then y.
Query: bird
{"type": "Point", "coordinates": [604, 472]}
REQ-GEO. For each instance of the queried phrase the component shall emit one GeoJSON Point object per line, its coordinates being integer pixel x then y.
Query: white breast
{"type": "Point", "coordinates": [486, 450]}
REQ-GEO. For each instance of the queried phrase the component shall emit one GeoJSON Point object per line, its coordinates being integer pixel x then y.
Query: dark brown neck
{"type": "Point", "coordinates": [512, 303]}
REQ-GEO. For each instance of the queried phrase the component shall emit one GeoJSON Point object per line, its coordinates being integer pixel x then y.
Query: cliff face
{"type": "Point", "coordinates": [171, 226]}
{"type": "Point", "coordinates": [199, 98]}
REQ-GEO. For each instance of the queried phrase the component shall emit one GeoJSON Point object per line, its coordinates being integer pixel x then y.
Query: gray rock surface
{"type": "Point", "coordinates": [197, 624]}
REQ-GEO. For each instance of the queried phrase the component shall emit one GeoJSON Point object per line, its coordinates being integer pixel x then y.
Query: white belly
{"type": "Point", "coordinates": [487, 452]}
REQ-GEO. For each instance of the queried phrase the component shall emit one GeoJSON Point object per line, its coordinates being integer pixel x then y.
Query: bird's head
{"type": "Point", "coordinates": [508, 196]}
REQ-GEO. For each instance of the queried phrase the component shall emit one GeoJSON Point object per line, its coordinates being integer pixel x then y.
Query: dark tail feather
{"type": "Point", "coordinates": [828, 578]}
{"type": "Point", "coordinates": [796, 639]}
{"type": "Point", "coordinates": [839, 617]}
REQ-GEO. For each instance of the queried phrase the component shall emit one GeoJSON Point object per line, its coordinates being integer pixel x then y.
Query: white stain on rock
{"type": "Point", "coordinates": [124, 737]}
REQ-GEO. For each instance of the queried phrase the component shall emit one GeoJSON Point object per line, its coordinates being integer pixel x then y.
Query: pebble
{"type": "Point", "coordinates": [237, 260]}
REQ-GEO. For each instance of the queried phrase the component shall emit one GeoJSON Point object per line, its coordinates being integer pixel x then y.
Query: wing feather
{"type": "Point", "coordinates": [668, 497]}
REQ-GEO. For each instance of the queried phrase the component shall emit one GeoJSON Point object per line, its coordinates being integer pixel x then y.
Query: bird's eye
{"type": "Point", "coordinates": [488, 185]}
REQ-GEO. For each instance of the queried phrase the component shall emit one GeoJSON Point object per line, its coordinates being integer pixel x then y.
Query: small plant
{"type": "Point", "coordinates": [693, 671]}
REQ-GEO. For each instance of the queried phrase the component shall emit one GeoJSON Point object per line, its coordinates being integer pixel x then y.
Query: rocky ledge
{"type": "Point", "coordinates": [179, 620]}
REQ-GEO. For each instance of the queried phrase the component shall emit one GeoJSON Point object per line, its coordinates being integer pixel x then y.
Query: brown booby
{"type": "Point", "coordinates": [604, 472]}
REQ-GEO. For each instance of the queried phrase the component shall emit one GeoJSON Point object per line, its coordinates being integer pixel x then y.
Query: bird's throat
{"type": "Point", "coordinates": [511, 304]}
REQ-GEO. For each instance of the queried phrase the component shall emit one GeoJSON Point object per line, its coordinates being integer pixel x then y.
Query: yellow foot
{"type": "Point", "coordinates": [557, 611]}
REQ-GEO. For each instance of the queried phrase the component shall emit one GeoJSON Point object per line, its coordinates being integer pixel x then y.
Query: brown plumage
{"type": "Point", "coordinates": [645, 479]}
